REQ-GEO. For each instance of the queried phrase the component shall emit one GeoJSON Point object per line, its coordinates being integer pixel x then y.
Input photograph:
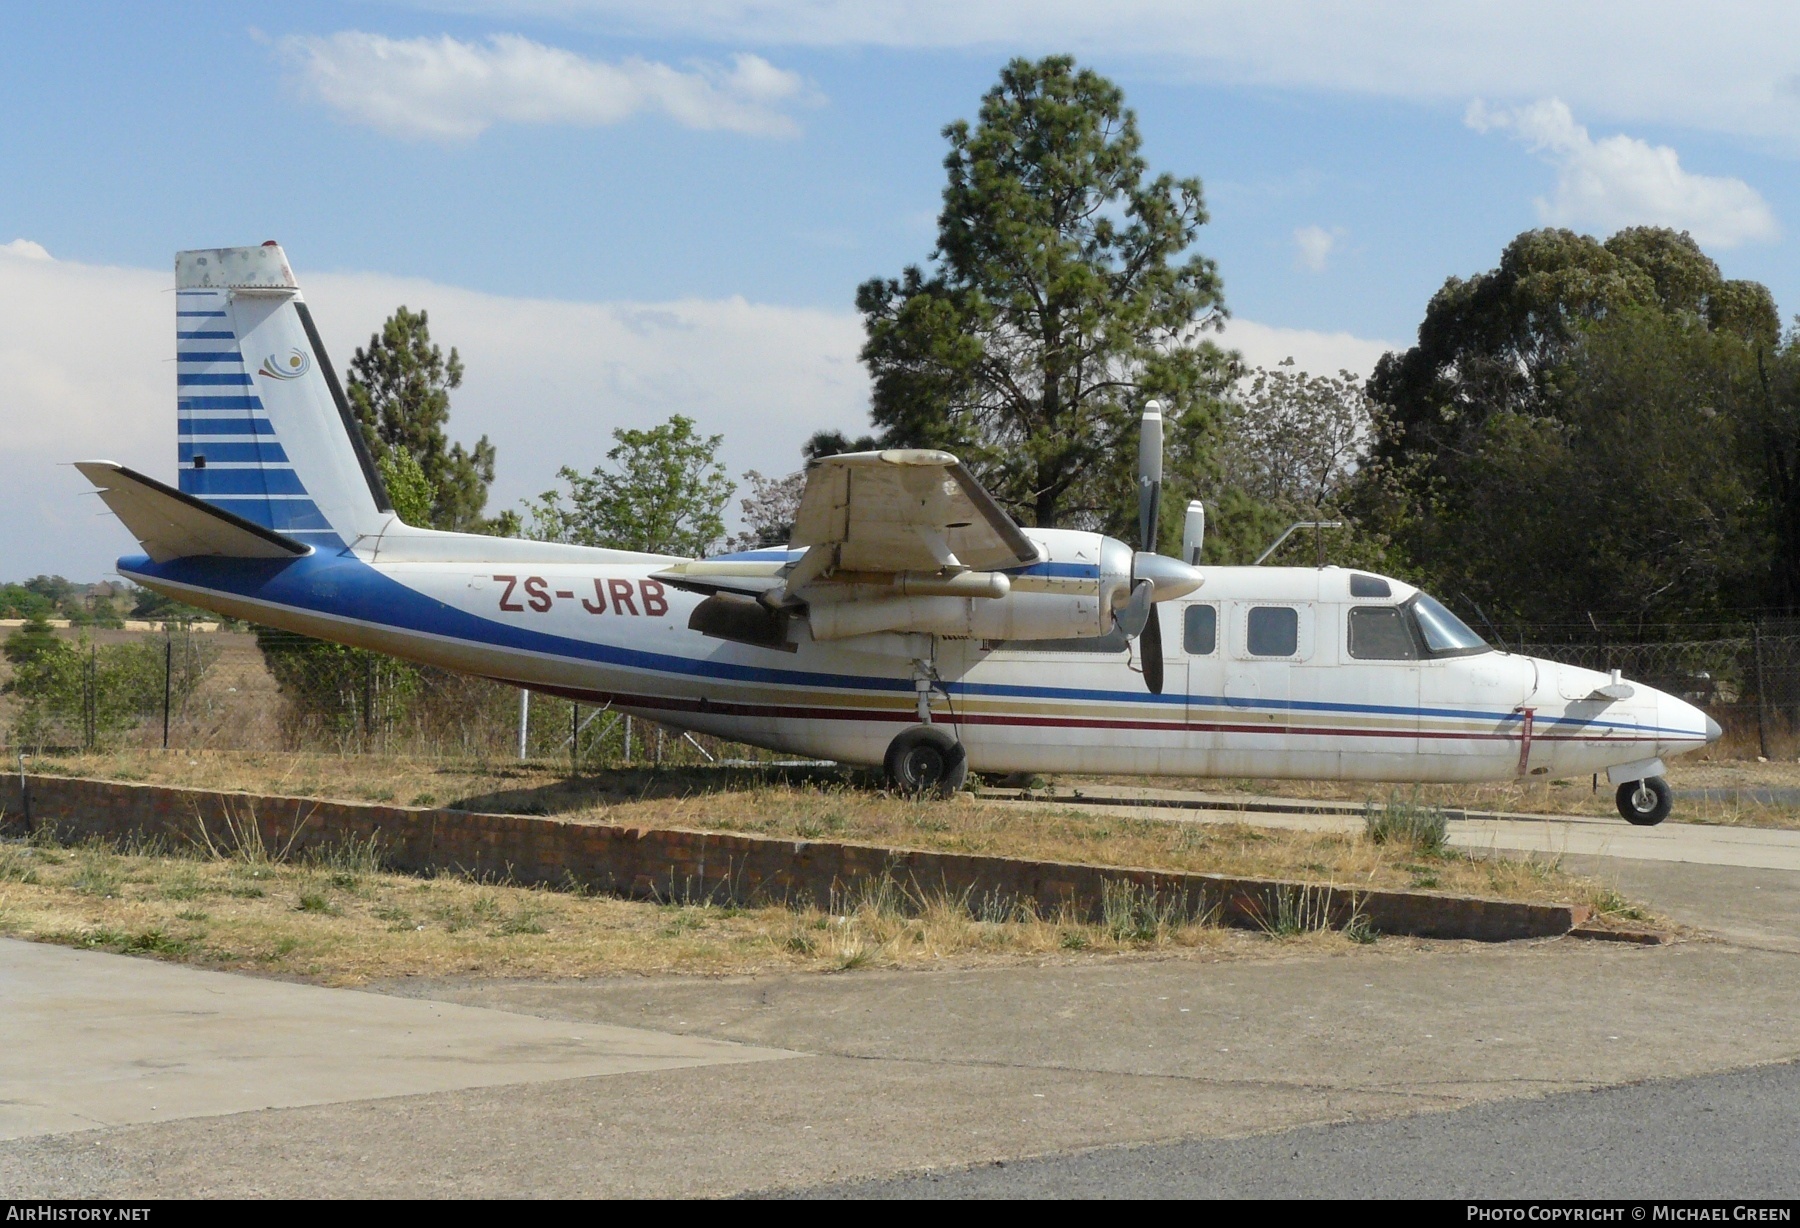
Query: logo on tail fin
{"type": "Point", "coordinates": [293, 366]}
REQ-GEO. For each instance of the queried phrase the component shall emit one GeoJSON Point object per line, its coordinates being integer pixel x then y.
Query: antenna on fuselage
{"type": "Point", "coordinates": [1318, 526]}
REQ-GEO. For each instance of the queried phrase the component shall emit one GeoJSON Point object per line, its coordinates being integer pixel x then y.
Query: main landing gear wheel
{"type": "Point", "coordinates": [1645, 802]}
{"type": "Point", "coordinates": [926, 759]}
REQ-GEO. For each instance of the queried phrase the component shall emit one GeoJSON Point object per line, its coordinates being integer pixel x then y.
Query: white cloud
{"type": "Point", "coordinates": [25, 249]}
{"type": "Point", "coordinates": [1264, 345]}
{"type": "Point", "coordinates": [1622, 181]}
{"type": "Point", "coordinates": [445, 89]}
{"type": "Point", "coordinates": [1314, 246]}
{"type": "Point", "coordinates": [1724, 66]}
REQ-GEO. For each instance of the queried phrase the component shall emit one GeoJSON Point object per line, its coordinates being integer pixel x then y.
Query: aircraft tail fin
{"type": "Point", "coordinates": [173, 525]}
{"type": "Point", "coordinates": [265, 433]}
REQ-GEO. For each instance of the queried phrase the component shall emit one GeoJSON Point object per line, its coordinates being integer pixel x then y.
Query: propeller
{"type": "Point", "coordinates": [1143, 588]}
{"type": "Point", "coordinates": [1153, 576]}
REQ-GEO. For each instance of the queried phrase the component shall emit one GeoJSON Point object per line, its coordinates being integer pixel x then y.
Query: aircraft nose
{"type": "Point", "coordinates": [1168, 577]}
{"type": "Point", "coordinates": [1713, 732]}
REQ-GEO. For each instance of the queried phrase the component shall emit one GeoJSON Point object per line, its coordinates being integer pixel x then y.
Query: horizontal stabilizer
{"type": "Point", "coordinates": [173, 525]}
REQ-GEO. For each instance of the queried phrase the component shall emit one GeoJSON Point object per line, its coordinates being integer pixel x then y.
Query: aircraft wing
{"type": "Point", "coordinates": [173, 525]}
{"type": "Point", "coordinates": [874, 514]}
{"type": "Point", "coordinates": [905, 509]}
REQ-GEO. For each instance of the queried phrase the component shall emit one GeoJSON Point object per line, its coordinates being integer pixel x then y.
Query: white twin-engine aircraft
{"type": "Point", "coordinates": [910, 622]}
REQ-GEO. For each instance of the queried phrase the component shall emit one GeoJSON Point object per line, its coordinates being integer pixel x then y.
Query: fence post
{"type": "Point", "coordinates": [628, 738]}
{"type": "Point", "coordinates": [524, 719]}
{"type": "Point", "coordinates": [1762, 696]}
{"type": "Point", "coordinates": [168, 678]}
{"type": "Point", "coordinates": [90, 716]}
{"type": "Point", "coordinates": [368, 704]}
{"type": "Point", "coordinates": [574, 736]}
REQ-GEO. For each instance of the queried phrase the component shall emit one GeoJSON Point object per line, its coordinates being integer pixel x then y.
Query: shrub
{"type": "Point", "coordinates": [1407, 823]}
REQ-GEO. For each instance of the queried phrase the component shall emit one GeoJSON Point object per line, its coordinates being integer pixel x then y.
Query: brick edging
{"type": "Point", "coordinates": [727, 867]}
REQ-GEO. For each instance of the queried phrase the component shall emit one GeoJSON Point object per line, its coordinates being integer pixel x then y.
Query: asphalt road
{"type": "Point", "coordinates": [1730, 1136]}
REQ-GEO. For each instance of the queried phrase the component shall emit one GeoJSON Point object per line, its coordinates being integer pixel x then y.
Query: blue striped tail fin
{"type": "Point", "coordinates": [263, 429]}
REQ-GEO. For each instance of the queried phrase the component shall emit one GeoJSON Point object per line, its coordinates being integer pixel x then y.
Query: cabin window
{"type": "Point", "coordinates": [1274, 631]}
{"type": "Point", "coordinates": [1369, 586]}
{"type": "Point", "coordinates": [1381, 633]}
{"type": "Point", "coordinates": [1200, 630]}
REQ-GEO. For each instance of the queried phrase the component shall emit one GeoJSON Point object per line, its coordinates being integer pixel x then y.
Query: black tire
{"type": "Point", "coordinates": [1658, 794]}
{"type": "Point", "coordinates": [926, 759]}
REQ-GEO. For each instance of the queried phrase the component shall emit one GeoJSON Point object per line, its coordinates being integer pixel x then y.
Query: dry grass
{"type": "Point", "coordinates": [232, 903]}
{"type": "Point", "coordinates": [837, 809]}
{"type": "Point", "coordinates": [340, 920]}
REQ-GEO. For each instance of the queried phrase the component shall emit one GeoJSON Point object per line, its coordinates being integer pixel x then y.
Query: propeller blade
{"type": "Point", "coordinates": [1150, 650]}
{"type": "Point", "coordinates": [1150, 473]}
{"type": "Point", "coordinates": [1130, 617]}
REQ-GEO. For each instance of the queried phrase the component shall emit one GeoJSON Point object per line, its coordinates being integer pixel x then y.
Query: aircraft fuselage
{"type": "Point", "coordinates": [610, 633]}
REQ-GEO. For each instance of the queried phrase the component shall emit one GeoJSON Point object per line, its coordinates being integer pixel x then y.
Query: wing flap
{"type": "Point", "coordinates": [173, 525]}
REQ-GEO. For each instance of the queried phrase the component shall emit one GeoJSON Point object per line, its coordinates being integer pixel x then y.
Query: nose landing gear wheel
{"type": "Point", "coordinates": [1646, 802]}
{"type": "Point", "coordinates": [926, 759]}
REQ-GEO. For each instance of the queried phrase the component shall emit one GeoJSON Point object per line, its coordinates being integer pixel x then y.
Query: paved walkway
{"type": "Point", "coordinates": [1580, 835]}
{"type": "Point", "coordinates": [105, 1040]}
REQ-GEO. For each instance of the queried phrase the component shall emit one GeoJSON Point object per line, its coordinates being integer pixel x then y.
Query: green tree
{"type": "Point", "coordinates": [400, 389]}
{"type": "Point", "coordinates": [1493, 342]}
{"type": "Point", "coordinates": [665, 494]}
{"type": "Point", "coordinates": [1063, 295]}
{"type": "Point", "coordinates": [17, 601]}
{"type": "Point", "coordinates": [1577, 433]}
{"type": "Point", "coordinates": [836, 443]}
{"type": "Point", "coordinates": [1635, 493]}
{"type": "Point", "coordinates": [71, 693]}
{"type": "Point", "coordinates": [409, 490]}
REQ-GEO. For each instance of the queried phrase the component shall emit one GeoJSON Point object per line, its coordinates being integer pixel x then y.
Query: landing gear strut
{"type": "Point", "coordinates": [1646, 802]}
{"type": "Point", "coordinates": [927, 759]}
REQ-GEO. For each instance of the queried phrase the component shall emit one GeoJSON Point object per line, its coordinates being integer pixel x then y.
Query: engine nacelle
{"type": "Point", "coordinates": [1069, 594]}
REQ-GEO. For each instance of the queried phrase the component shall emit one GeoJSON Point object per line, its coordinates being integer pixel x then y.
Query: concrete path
{"type": "Point", "coordinates": [102, 1040]}
{"type": "Point", "coordinates": [1579, 835]}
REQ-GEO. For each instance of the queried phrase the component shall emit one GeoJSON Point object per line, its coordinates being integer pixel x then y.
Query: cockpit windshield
{"type": "Point", "coordinates": [1445, 634]}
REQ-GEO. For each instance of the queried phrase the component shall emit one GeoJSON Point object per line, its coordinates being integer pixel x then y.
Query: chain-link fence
{"type": "Point", "coordinates": [1745, 676]}
{"type": "Point", "coordinates": [257, 689]}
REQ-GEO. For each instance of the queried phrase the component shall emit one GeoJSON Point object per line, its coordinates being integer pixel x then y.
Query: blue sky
{"type": "Point", "coordinates": [500, 159]}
